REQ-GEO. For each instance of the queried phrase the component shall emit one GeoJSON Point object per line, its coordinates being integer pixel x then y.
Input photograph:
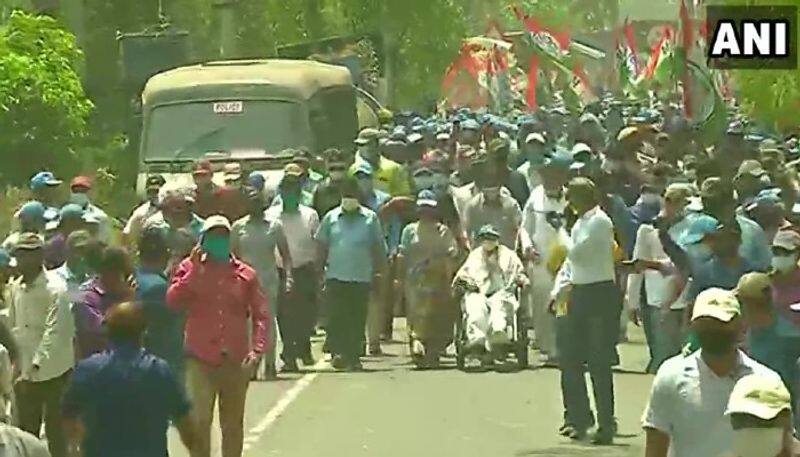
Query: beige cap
{"type": "Point", "coordinates": [232, 171]}
{"type": "Point", "coordinates": [753, 285]}
{"type": "Point", "coordinates": [750, 167]}
{"type": "Point", "coordinates": [787, 239]}
{"type": "Point", "coordinates": [627, 132]}
{"type": "Point", "coordinates": [216, 221]}
{"type": "Point", "coordinates": [679, 191]}
{"type": "Point", "coordinates": [719, 304]}
{"type": "Point", "coordinates": [761, 396]}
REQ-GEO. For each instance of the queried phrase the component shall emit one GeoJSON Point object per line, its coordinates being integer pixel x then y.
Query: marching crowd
{"type": "Point", "coordinates": [570, 224]}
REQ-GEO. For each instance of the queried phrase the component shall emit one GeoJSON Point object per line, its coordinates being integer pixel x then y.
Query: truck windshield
{"type": "Point", "coordinates": [191, 130]}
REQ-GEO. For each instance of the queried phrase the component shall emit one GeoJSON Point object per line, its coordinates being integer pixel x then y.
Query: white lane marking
{"type": "Point", "coordinates": [254, 435]}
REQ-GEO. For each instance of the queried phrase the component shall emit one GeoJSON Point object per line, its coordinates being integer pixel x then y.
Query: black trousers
{"type": "Point", "coordinates": [297, 312]}
{"type": "Point", "coordinates": [37, 401]}
{"type": "Point", "coordinates": [588, 335]}
{"type": "Point", "coordinates": [347, 317]}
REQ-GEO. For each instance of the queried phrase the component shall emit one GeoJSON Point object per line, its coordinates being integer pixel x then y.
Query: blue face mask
{"type": "Point", "coordinates": [217, 247]}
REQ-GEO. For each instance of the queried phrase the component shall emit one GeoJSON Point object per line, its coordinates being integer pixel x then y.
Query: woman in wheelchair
{"type": "Point", "coordinates": [489, 280]}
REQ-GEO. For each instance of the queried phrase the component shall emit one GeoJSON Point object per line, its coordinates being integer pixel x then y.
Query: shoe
{"type": "Point", "coordinates": [565, 429]}
{"type": "Point", "coordinates": [603, 437]}
{"type": "Point", "coordinates": [375, 350]}
{"type": "Point", "coordinates": [290, 367]}
{"type": "Point", "coordinates": [576, 434]}
{"type": "Point", "coordinates": [339, 363]}
{"type": "Point", "coordinates": [355, 365]}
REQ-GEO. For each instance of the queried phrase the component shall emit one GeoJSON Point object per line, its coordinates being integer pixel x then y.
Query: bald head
{"type": "Point", "coordinates": [125, 323]}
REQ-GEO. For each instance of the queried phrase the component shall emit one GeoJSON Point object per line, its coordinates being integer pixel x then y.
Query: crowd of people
{"type": "Point", "coordinates": [568, 223]}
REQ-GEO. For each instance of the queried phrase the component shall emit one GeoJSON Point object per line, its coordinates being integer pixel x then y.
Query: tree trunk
{"type": "Point", "coordinates": [315, 26]}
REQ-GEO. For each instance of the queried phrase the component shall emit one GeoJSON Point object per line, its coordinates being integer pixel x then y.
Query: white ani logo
{"type": "Point", "coordinates": [761, 39]}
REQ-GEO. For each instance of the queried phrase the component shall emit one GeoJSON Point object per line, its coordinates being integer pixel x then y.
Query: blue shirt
{"type": "Point", "coordinates": [164, 337]}
{"type": "Point", "coordinates": [624, 223]}
{"type": "Point", "coordinates": [125, 399]}
{"type": "Point", "coordinates": [351, 239]}
{"type": "Point", "coordinates": [708, 273]}
{"type": "Point", "coordinates": [774, 346]}
{"type": "Point", "coordinates": [376, 199]}
{"type": "Point", "coordinates": [754, 244]}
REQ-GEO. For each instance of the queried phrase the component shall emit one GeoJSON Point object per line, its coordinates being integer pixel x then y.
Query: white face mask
{"type": "Point", "coordinates": [350, 204]}
{"type": "Point", "coordinates": [784, 263]}
{"type": "Point", "coordinates": [757, 442]}
{"type": "Point", "coordinates": [80, 199]}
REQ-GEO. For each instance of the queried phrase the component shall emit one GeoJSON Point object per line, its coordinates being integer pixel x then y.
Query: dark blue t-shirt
{"type": "Point", "coordinates": [125, 398]}
{"type": "Point", "coordinates": [164, 336]}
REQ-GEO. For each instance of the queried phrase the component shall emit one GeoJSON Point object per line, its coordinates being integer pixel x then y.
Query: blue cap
{"type": "Point", "coordinates": [561, 158]}
{"type": "Point", "coordinates": [33, 211]}
{"type": "Point", "coordinates": [6, 261]}
{"type": "Point", "coordinates": [766, 199]}
{"type": "Point", "coordinates": [43, 179]}
{"type": "Point", "coordinates": [700, 226]}
{"type": "Point", "coordinates": [71, 211]}
{"type": "Point", "coordinates": [364, 168]}
{"type": "Point", "coordinates": [257, 181]}
{"type": "Point", "coordinates": [488, 232]}
{"type": "Point", "coordinates": [470, 124]}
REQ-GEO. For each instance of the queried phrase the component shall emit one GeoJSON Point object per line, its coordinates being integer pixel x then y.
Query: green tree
{"type": "Point", "coordinates": [421, 38]}
{"type": "Point", "coordinates": [770, 96]}
{"type": "Point", "coordinates": [43, 108]}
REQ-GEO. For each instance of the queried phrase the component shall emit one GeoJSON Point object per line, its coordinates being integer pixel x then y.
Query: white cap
{"type": "Point", "coordinates": [581, 147]}
{"type": "Point", "coordinates": [759, 395]}
{"type": "Point", "coordinates": [216, 221]}
{"type": "Point", "coordinates": [535, 137]}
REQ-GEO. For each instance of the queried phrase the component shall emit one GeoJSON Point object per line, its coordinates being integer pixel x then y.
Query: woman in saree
{"type": "Point", "coordinates": [426, 259]}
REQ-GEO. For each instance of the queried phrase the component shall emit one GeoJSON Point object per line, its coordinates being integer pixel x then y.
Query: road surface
{"type": "Point", "coordinates": [393, 410]}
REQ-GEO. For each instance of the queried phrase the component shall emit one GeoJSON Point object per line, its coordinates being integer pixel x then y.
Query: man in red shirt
{"type": "Point", "coordinates": [218, 292]}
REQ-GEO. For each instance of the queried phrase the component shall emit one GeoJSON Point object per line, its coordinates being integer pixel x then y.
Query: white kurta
{"type": "Point", "coordinates": [545, 237]}
{"type": "Point", "coordinates": [490, 310]}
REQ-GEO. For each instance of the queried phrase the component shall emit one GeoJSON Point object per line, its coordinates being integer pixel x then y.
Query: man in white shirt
{"type": "Point", "coordinates": [40, 317]}
{"type": "Point", "coordinates": [591, 324]}
{"type": "Point", "coordinates": [133, 229]}
{"type": "Point", "coordinates": [543, 224]}
{"type": "Point", "coordinates": [662, 315]}
{"type": "Point", "coordinates": [686, 413]}
{"type": "Point", "coordinates": [297, 309]}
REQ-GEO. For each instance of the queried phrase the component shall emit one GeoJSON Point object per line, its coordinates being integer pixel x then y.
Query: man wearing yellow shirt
{"type": "Point", "coordinates": [389, 176]}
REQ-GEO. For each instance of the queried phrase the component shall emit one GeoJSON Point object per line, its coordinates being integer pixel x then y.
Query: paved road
{"type": "Point", "coordinates": [392, 410]}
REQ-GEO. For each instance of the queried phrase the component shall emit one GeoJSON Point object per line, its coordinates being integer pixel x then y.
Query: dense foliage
{"type": "Point", "coordinates": [772, 96]}
{"type": "Point", "coordinates": [43, 107]}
